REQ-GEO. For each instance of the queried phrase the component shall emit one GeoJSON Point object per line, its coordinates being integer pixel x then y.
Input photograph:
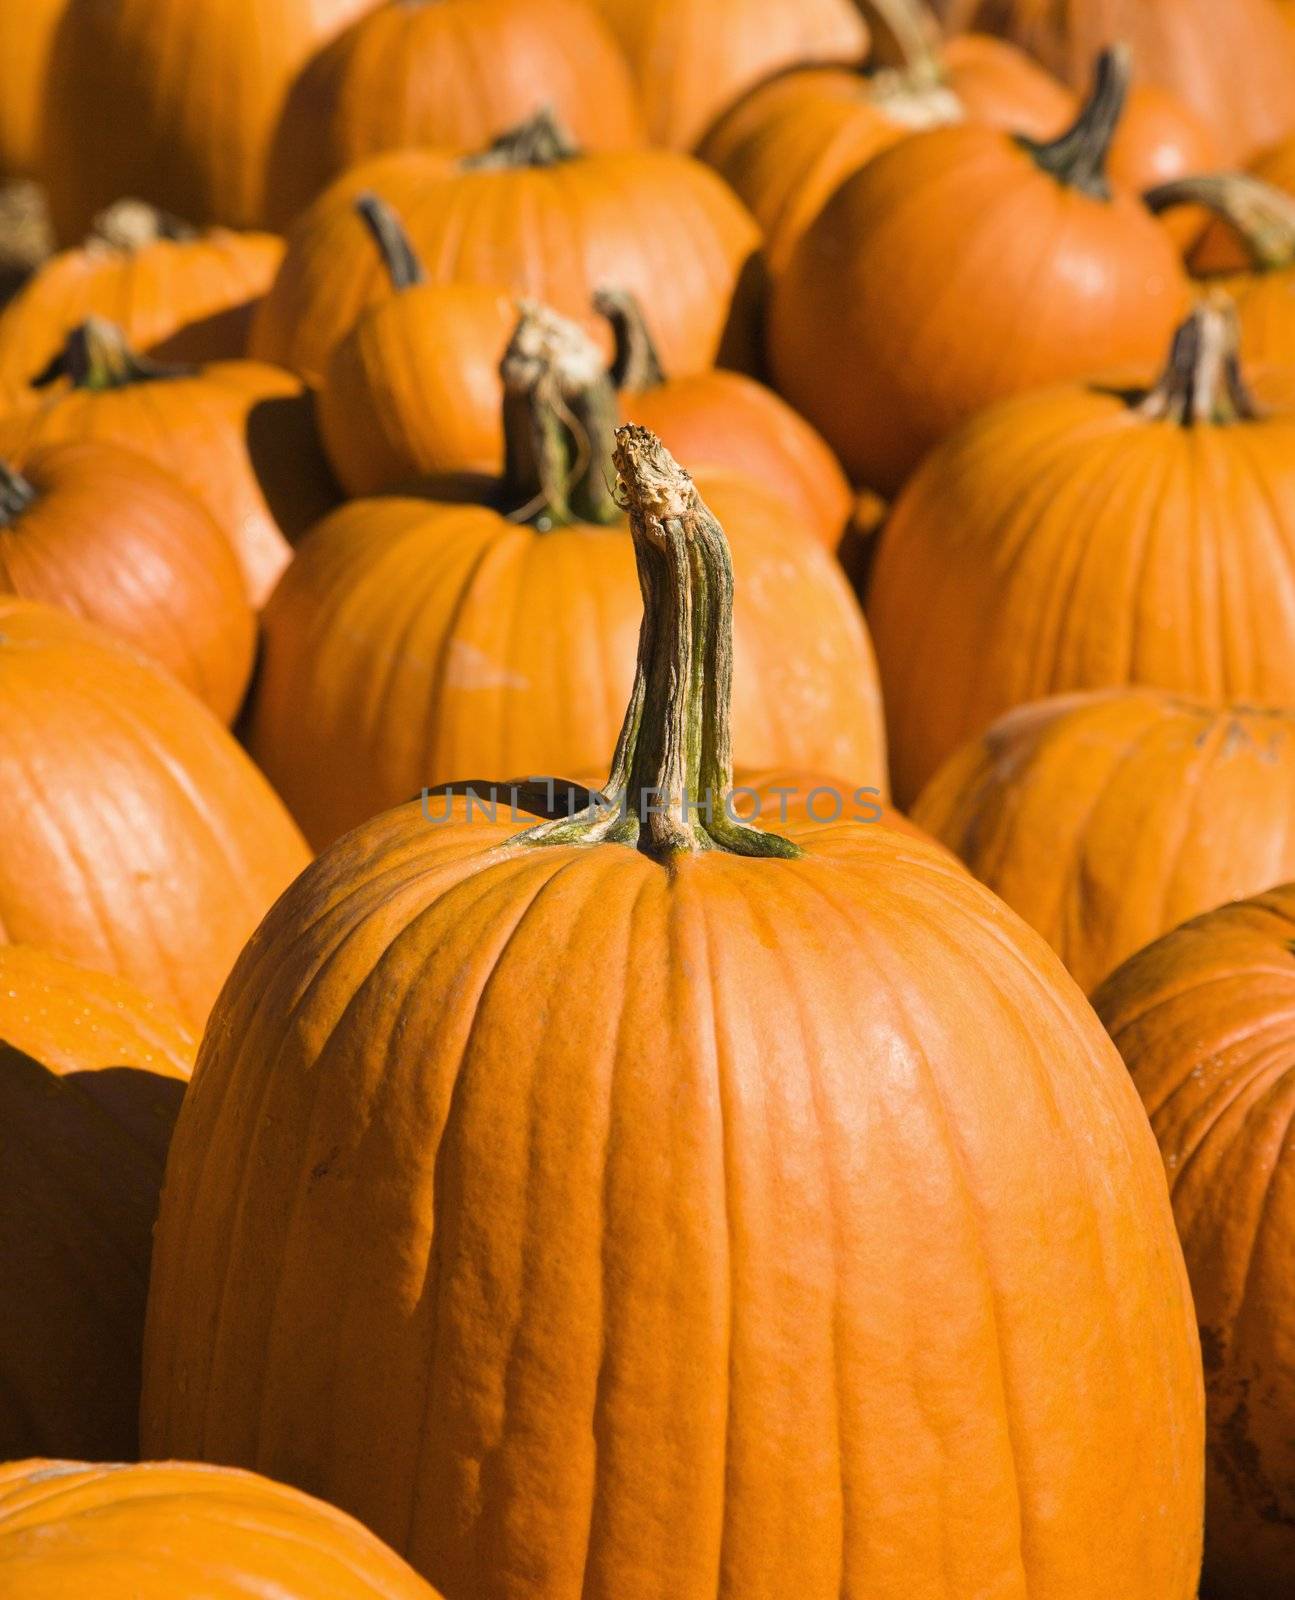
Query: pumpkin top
{"type": "Point", "coordinates": [1078, 157]}
{"type": "Point", "coordinates": [1261, 215]}
{"type": "Point", "coordinates": [97, 356]}
{"type": "Point", "coordinates": [540, 141]}
{"type": "Point", "coordinates": [1202, 383]}
{"type": "Point", "coordinates": [403, 263]}
{"type": "Point", "coordinates": [16, 495]}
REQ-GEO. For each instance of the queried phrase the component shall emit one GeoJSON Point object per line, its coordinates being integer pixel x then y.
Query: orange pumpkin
{"type": "Point", "coordinates": [170, 1531]}
{"type": "Point", "coordinates": [919, 294]}
{"type": "Point", "coordinates": [413, 642]}
{"type": "Point", "coordinates": [1234, 64]}
{"type": "Point", "coordinates": [27, 29]}
{"type": "Point", "coordinates": [91, 1076]}
{"type": "Point", "coordinates": [102, 532]}
{"type": "Point", "coordinates": [453, 73]}
{"type": "Point", "coordinates": [700, 1199]}
{"type": "Point", "coordinates": [538, 219]}
{"type": "Point", "coordinates": [1086, 538]}
{"type": "Point", "coordinates": [175, 101]}
{"type": "Point", "coordinates": [1159, 141]}
{"type": "Point", "coordinates": [1106, 819]}
{"type": "Point", "coordinates": [136, 838]}
{"type": "Point", "coordinates": [1204, 1020]}
{"type": "Point", "coordinates": [239, 435]}
{"type": "Point", "coordinates": [175, 292]}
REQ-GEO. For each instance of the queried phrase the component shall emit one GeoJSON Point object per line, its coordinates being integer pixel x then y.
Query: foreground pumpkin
{"type": "Point", "coordinates": [1107, 819]}
{"type": "Point", "coordinates": [1087, 538]}
{"type": "Point", "coordinates": [539, 218]}
{"type": "Point", "coordinates": [103, 533]}
{"type": "Point", "coordinates": [1205, 1020]}
{"type": "Point", "coordinates": [91, 1076]}
{"type": "Point", "coordinates": [239, 435]}
{"type": "Point", "coordinates": [166, 1530]}
{"type": "Point", "coordinates": [135, 836]}
{"type": "Point", "coordinates": [919, 294]}
{"type": "Point", "coordinates": [699, 1199]}
{"type": "Point", "coordinates": [413, 642]}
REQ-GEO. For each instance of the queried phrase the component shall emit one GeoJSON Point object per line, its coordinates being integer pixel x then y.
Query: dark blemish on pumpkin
{"type": "Point", "coordinates": [322, 1168]}
{"type": "Point", "coordinates": [1236, 1458]}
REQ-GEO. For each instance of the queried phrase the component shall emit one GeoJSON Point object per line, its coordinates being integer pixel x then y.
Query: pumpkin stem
{"type": "Point", "coordinates": [636, 366]}
{"type": "Point", "coordinates": [16, 495]}
{"type": "Point", "coordinates": [672, 775]}
{"type": "Point", "coordinates": [97, 356]}
{"type": "Point", "coordinates": [1078, 158]}
{"type": "Point", "coordinates": [1202, 383]}
{"type": "Point", "coordinates": [130, 225]}
{"type": "Point", "coordinates": [904, 34]}
{"type": "Point", "coordinates": [401, 260]}
{"type": "Point", "coordinates": [1261, 215]}
{"type": "Point", "coordinates": [559, 422]}
{"type": "Point", "coordinates": [540, 141]}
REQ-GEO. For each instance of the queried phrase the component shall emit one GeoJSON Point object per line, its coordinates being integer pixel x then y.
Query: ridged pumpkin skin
{"type": "Point", "coordinates": [414, 644]}
{"type": "Point", "coordinates": [182, 299]}
{"type": "Point", "coordinates": [452, 74]}
{"type": "Point", "coordinates": [1107, 819]}
{"type": "Point", "coordinates": [694, 59]}
{"type": "Point", "coordinates": [919, 296]}
{"type": "Point", "coordinates": [1233, 63]}
{"type": "Point", "coordinates": [135, 836]}
{"type": "Point", "coordinates": [27, 29]}
{"type": "Point", "coordinates": [174, 101]}
{"type": "Point", "coordinates": [655, 223]}
{"type": "Point", "coordinates": [167, 1530]}
{"type": "Point", "coordinates": [1204, 1019]}
{"type": "Point", "coordinates": [114, 539]}
{"type": "Point", "coordinates": [91, 1076]}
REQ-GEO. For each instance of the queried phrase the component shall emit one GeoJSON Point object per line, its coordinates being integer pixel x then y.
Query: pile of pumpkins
{"type": "Point", "coordinates": [647, 801]}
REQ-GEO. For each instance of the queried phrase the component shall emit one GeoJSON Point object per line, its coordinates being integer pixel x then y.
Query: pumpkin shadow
{"type": "Point", "coordinates": [288, 460]}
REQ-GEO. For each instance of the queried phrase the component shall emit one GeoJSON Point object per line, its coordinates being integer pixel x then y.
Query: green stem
{"type": "Point", "coordinates": [1202, 383]}
{"type": "Point", "coordinates": [97, 356]}
{"type": "Point", "coordinates": [1078, 158]}
{"type": "Point", "coordinates": [540, 141]}
{"type": "Point", "coordinates": [1261, 215]}
{"type": "Point", "coordinates": [16, 495]}
{"type": "Point", "coordinates": [673, 769]}
{"type": "Point", "coordinates": [636, 366]}
{"type": "Point", "coordinates": [399, 257]}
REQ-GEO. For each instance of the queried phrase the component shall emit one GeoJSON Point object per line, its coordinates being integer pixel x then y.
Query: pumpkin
{"type": "Point", "coordinates": [27, 30]}
{"type": "Point", "coordinates": [167, 1530]}
{"type": "Point", "coordinates": [413, 390]}
{"type": "Point", "coordinates": [450, 73]}
{"type": "Point", "coordinates": [1091, 537]}
{"type": "Point", "coordinates": [693, 59]}
{"type": "Point", "coordinates": [102, 532]}
{"type": "Point", "coordinates": [239, 435]}
{"type": "Point", "coordinates": [539, 219]}
{"type": "Point", "coordinates": [1161, 140]}
{"type": "Point", "coordinates": [1105, 819]}
{"type": "Point", "coordinates": [91, 1075]}
{"type": "Point", "coordinates": [175, 292]}
{"type": "Point", "coordinates": [414, 642]}
{"type": "Point", "coordinates": [919, 294]}
{"type": "Point", "coordinates": [1219, 251]}
{"type": "Point", "coordinates": [136, 838]}
{"type": "Point", "coordinates": [1234, 64]}
{"type": "Point", "coordinates": [1204, 1020]}
{"type": "Point", "coordinates": [675, 1179]}
{"type": "Point", "coordinates": [175, 101]}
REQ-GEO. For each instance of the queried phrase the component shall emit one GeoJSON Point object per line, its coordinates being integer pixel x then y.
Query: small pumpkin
{"type": "Point", "coordinates": [103, 533]}
{"type": "Point", "coordinates": [1090, 537]}
{"type": "Point", "coordinates": [538, 218]}
{"type": "Point", "coordinates": [414, 642]}
{"type": "Point", "coordinates": [1204, 1019]}
{"type": "Point", "coordinates": [27, 29]}
{"type": "Point", "coordinates": [136, 838]}
{"type": "Point", "coordinates": [239, 435]}
{"type": "Point", "coordinates": [176, 293]}
{"type": "Point", "coordinates": [919, 294]}
{"type": "Point", "coordinates": [165, 1530]}
{"type": "Point", "coordinates": [1105, 819]}
{"type": "Point", "coordinates": [91, 1076]}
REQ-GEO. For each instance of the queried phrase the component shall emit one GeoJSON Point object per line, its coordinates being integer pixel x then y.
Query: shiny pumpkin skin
{"type": "Point", "coordinates": [414, 644]}
{"type": "Point", "coordinates": [174, 102]}
{"type": "Point", "coordinates": [870, 331]}
{"type": "Point", "coordinates": [1160, 139]}
{"type": "Point", "coordinates": [136, 838]}
{"type": "Point", "coordinates": [91, 1076]}
{"type": "Point", "coordinates": [1233, 64]}
{"type": "Point", "coordinates": [1064, 541]}
{"type": "Point", "coordinates": [1107, 819]}
{"type": "Point", "coordinates": [716, 1269]}
{"type": "Point", "coordinates": [181, 299]}
{"type": "Point", "coordinates": [27, 29]}
{"type": "Point", "coordinates": [652, 222]}
{"type": "Point", "coordinates": [453, 74]}
{"type": "Point", "coordinates": [239, 435]}
{"type": "Point", "coordinates": [694, 61]}
{"type": "Point", "coordinates": [168, 1530]}
{"type": "Point", "coordinates": [1204, 1020]}
{"type": "Point", "coordinates": [114, 539]}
